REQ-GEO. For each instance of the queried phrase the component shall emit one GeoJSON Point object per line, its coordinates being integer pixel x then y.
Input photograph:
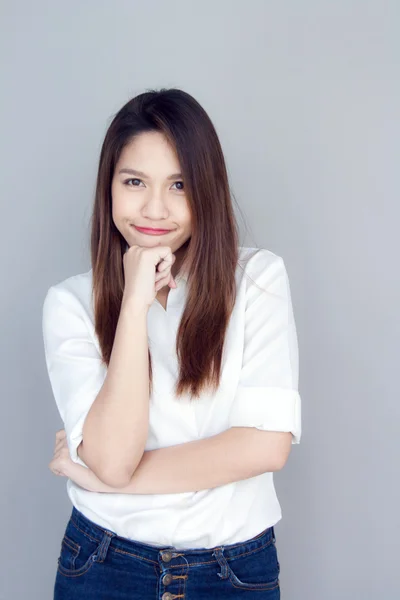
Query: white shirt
{"type": "Point", "coordinates": [259, 388]}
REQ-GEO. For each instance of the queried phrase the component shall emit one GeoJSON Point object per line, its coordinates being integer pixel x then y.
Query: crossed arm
{"type": "Point", "coordinates": [233, 455]}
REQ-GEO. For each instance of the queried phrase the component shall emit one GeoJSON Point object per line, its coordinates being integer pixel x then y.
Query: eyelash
{"type": "Point", "coordinates": [136, 179]}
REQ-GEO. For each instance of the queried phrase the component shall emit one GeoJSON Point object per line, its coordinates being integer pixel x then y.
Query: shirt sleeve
{"type": "Point", "coordinates": [73, 362]}
{"type": "Point", "coordinates": [267, 395]}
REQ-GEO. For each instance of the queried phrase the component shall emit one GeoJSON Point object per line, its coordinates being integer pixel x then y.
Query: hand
{"type": "Point", "coordinates": [61, 463]}
{"type": "Point", "coordinates": [146, 272]}
{"type": "Point", "coordinates": [164, 275]}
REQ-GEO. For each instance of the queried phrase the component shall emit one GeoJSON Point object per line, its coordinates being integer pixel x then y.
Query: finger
{"type": "Point", "coordinates": [160, 276]}
{"type": "Point", "coordinates": [160, 284]}
{"type": "Point", "coordinates": [162, 265]}
{"type": "Point", "coordinates": [62, 441]}
{"type": "Point", "coordinates": [167, 261]}
{"type": "Point", "coordinates": [59, 445]}
{"type": "Point", "coordinates": [164, 268]}
{"type": "Point", "coordinates": [165, 277]}
{"type": "Point", "coordinates": [60, 451]}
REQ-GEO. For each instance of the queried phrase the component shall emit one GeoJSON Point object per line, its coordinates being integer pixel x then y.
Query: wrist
{"type": "Point", "coordinates": [133, 307]}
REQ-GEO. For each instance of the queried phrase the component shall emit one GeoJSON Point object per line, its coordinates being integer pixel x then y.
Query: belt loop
{"type": "Point", "coordinates": [273, 533]}
{"type": "Point", "coordinates": [103, 548]}
{"type": "Point", "coordinates": [219, 555]}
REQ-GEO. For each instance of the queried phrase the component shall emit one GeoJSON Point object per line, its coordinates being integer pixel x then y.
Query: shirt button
{"type": "Point", "coordinates": [167, 596]}
{"type": "Point", "coordinates": [167, 579]}
{"type": "Point", "coordinates": [166, 557]}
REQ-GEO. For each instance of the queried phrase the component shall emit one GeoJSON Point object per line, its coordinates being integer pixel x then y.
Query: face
{"type": "Point", "coordinates": [148, 191]}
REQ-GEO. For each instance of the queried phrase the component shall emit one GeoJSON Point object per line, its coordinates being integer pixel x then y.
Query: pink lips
{"type": "Point", "coordinates": [152, 231]}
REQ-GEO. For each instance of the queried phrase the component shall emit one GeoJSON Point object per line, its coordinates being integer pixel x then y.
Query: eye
{"type": "Point", "coordinates": [126, 182]}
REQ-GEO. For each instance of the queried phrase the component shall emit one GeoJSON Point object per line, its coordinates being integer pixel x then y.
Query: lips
{"type": "Point", "coordinates": [151, 231]}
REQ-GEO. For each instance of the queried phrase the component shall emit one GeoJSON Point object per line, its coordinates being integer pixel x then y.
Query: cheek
{"type": "Point", "coordinates": [188, 221]}
{"type": "Point", "coordinates": [121, 205]}
{"type": "Point", "coordinates": [184, 215]}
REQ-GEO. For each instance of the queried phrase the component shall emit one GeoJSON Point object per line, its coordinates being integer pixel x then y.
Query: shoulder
{"type": "Point", "coordinates": [74, 293]}
{"type": "Point", "coordinates": [258, 257]}
{"type": "Point", "coordinates": [261, 267]}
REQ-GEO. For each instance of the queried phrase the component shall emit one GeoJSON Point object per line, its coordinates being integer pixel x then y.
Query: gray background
{"type": "Point", "coordinates": [305, 98]}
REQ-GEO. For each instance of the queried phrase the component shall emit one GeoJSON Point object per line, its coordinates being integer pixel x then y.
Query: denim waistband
{"type": "Point", "coordinates": [193, 556]}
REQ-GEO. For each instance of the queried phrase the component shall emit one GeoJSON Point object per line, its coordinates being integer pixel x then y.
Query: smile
{"type": "Point", "coordinates": [149, 231]}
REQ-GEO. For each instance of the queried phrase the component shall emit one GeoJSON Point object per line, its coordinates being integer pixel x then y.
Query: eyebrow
{"type": "Point", "coordinates": [141, 174]}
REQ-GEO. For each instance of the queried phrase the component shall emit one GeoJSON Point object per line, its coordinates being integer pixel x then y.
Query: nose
{"type": "Point", "coordinates": [155, 207]}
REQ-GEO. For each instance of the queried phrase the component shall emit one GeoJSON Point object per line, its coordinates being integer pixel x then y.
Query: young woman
{"type": "Point", "coordinates": [174, 365]}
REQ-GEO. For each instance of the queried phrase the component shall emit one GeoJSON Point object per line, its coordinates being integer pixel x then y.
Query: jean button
{"type": "Point", "coordinates": [167, 596]}
{"type": "Point", "coordinates": [166, 557]}
{"type": "Point", "coordinates": [167, 579]}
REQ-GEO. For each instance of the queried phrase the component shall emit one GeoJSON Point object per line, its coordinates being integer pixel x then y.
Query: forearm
{"type": "Point", "coordinates": [116, 427]}
{"type": "Point", "coordinates": [233, 455]}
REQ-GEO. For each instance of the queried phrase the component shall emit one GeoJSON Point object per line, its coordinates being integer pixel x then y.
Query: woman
{"type": "Point", "coordinates": [174, 365]}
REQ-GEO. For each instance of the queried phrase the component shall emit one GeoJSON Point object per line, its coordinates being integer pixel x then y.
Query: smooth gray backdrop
{"type": "Point", "coordinates": [305, 98]}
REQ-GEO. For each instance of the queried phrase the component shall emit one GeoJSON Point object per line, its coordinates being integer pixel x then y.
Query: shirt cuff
{"type": "Point", "coordinates": [74, 434]}
{"type": "Point", "coordinates": [268, 408]}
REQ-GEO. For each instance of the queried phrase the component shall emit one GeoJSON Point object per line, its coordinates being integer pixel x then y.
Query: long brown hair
{"type": "Point", "coordinates": [212, 251]}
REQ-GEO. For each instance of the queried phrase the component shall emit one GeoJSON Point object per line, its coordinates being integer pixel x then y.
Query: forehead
{"type": "Point", "coordinates": [149, 147]}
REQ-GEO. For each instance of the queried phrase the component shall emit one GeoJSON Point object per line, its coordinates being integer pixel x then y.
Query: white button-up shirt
{"type": "Point", "coordinates": [259, 388]}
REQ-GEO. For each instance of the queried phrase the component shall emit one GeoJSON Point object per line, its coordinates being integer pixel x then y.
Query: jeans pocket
{"type": "Point", "coordinates": [255, 570]}
{"type": "Point", "coordinates": [78, 552]}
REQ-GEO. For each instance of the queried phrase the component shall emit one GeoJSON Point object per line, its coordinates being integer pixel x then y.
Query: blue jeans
{"type": "Point", "coordinates": [96, 564]}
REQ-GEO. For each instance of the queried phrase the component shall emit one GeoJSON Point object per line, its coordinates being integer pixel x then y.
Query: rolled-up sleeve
{"type": "Point", "coordinates": [73, 362]}
{"type": "Point", "coordinates": [267, 396]}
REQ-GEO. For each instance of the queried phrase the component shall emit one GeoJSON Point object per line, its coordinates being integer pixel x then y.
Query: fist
{"type": "Point", "coordinates": [61, 459]}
